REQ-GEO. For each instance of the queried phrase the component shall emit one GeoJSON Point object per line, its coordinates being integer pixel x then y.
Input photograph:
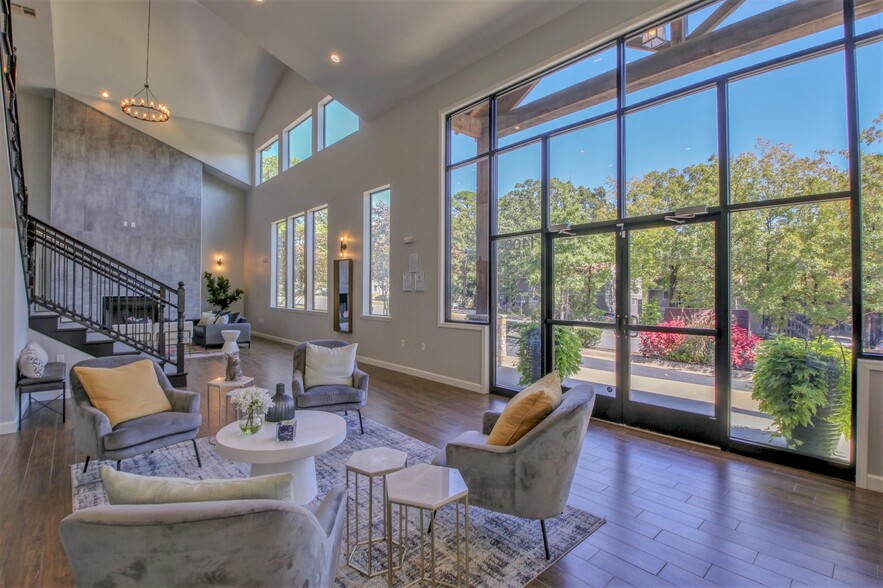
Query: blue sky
{"type": "Point", "coordinates": [339, 122]}
{"type": "Point", "coordinates": [802, 105]}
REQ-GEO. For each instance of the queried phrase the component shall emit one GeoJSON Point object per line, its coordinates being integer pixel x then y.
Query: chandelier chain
{"type": "Point", "coordinates": [147, 66]}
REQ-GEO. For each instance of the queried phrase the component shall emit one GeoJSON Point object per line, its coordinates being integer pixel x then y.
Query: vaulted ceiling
{"type": "Point", "coordinates": [219, 61]}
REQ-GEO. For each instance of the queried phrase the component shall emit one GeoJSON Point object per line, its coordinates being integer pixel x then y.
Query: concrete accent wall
{"type": "Point", "coordinates": [402, 148]}
{"type": "Point", "coordinates": [223, 235]}
{"type": "Point", "coordinates": [107, 175]}
{"type": "Point", "coordinates": [35, 113]}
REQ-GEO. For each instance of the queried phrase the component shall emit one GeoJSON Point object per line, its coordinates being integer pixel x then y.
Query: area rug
{"type": "Point", "coordinates": [504, 550]}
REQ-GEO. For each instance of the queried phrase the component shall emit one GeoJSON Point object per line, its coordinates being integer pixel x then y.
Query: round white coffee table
{"type": "Point", "coordinates": [317, 432]}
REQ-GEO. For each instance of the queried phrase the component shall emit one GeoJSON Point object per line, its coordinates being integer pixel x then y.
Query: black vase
{"type": "Point", "coordinates": [283, 406]}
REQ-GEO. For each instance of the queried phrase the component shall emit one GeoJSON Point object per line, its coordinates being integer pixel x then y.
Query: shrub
{"type": "Point", "coordinates": [588, 336]}
{"type": "Point", "coordinates": [662, 344]}
{"type": "Point", "coordinates": [651, 313]}
{"type": "Point", "coordinates": [743, 348]}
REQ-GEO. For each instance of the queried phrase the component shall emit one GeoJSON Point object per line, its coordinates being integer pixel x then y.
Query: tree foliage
{"type": "Point", "coordinates": [219, 293]}
{"type": "Point", "coordinates": [380, 236]}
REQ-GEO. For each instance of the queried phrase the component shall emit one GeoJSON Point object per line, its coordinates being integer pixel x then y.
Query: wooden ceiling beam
{"type": "Point", "coordinates": [762, 31]}
{"type": "Point", "coordinates": [719, 15]}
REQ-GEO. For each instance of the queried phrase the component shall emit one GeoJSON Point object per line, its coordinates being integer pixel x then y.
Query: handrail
{"type": "Point", "coordinates": [74, 279]}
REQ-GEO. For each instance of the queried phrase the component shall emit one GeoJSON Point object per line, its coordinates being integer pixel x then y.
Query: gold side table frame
{"type": "Point", "coordinates": [373, 464]}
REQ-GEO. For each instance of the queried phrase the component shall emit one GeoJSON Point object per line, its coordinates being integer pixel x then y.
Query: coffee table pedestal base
{"type": "Point", "coordinates": [304, 484]}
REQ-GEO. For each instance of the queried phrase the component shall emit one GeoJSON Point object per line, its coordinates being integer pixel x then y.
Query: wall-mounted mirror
{"type": "Point", "coordinates": [343, 295]}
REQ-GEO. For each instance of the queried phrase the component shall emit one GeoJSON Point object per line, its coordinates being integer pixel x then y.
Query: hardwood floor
{"type": "Point", "coordinates": [677, 514]}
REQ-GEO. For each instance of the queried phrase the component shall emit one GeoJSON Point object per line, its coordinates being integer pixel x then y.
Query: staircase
{"type": "Point", "coordinates": [79, 295]}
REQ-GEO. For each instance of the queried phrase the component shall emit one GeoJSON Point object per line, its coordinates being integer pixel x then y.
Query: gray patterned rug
{"type": "Point", "coordinates": [504, 550]}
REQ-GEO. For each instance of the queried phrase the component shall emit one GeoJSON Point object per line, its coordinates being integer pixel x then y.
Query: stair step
{"type": "Point", "coordinates": [41, 314]}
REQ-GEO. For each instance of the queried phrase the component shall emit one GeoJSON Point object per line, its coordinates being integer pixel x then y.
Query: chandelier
{"type": "Point", "coordinates": [144, 105]}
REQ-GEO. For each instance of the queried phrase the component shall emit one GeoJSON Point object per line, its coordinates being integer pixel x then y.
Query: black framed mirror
{"type": "Point", "coordinates": [343, 295]}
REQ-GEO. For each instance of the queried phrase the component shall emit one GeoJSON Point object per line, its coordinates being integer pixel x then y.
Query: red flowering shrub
{"type": "Point", "coordinates": [662, 344]}
{"type": "Point", "coordinates": [743, 347]}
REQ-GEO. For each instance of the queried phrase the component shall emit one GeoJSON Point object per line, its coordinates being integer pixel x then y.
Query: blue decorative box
{"type": "Point", "coordinates": [286, 430]}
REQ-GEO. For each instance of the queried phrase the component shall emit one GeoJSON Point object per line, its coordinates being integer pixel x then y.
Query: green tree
{"type": "Point", "coordinates": [269, 167]}
{"type": "Point", "coordinates": [380, 236]}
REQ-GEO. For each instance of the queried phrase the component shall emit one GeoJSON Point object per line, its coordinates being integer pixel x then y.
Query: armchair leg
{"type": "Point", "coordinates": [119, 461]}
{"type": "Point", "coordinates": [545, 538]}
{"type": "Point", "coordinates": [196, 450]}
{"type": "Point", "coordinates": [86, 465]}
{"type": "Point", "coordinates": [361, 426]}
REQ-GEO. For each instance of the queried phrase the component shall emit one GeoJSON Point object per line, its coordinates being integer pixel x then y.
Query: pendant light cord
{"type": "Point", "coordinates": [147, 67]}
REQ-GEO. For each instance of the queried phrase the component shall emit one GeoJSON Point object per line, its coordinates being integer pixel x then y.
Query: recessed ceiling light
{"type": "Point", "coordinates": [105, 94]}
{"type": "Point", "coordinates": [334, 57]}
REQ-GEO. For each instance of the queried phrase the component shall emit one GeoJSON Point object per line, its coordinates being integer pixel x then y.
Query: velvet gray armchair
{"type": "Point", "coordinates": [96, 438]}
{"type": "Point", "coordinates": [532, 477]}
{"type": "Point", "coordinates": [328, 398]}
{"type": "Point", "coordinates": [230, 543]}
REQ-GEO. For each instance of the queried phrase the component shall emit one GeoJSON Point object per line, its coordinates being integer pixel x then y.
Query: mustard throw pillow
{"type": "Point", "coordinates": [526, 410]}
{"type": "Point", "coordinates": [124, 393]}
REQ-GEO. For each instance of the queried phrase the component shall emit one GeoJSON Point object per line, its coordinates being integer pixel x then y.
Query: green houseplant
{"type": "Point", "coordinates": [568, 357]}
{"type": "Point", "coordinates": [219, 294]}
{"type": "Point", "coordinates": [805, 386]}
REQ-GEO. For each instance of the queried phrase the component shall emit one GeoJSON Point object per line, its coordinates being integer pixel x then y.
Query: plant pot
{"type": "Point", "coordinates": [822, 435]}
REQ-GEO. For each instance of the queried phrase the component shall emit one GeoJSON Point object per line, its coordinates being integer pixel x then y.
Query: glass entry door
{"type": "Point", "coordinates": [639, 304]}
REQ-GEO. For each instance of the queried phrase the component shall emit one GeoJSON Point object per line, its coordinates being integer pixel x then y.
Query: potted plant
{"type": "Point", "coordinates": [568, 356]}
{"type": "Point", "coordinates": [219, 294]}
{"type": "Point", "coordinates": [805, 387]}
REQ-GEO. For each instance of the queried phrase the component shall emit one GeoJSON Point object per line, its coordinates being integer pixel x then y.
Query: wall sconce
{"type": "Point", "coordinates": [220, 262]}
{"type": "Point", "coordinates": [343, 247]}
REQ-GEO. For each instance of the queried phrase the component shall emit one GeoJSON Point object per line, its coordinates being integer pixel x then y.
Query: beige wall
{"type": "Point", "coordinates": [223, 234]}
{"type": "Point", "coordinates": [401, 148]}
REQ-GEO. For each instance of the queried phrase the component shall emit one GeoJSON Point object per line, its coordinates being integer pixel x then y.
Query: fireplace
{"type": "Point", "coordinates": [121, 309]}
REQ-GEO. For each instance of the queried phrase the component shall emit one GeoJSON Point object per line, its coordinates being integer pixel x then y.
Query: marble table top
{"type": "Point", "coordinates": [377, 461]}
{"type": "Point", "coordinates": [426, 486]}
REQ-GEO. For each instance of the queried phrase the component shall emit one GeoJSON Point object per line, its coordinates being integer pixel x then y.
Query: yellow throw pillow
{"type": "Point", "coordinates": [526, 410]}
{"type": "Point", "coordinates": [124, 393]}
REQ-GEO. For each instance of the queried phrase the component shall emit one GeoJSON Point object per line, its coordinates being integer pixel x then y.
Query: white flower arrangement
{"type": "Point", "coordinates": [253, 400]}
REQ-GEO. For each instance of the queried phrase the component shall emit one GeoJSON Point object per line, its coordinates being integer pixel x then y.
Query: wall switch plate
{"type": "Point", "coordinates": [125, 223]}
{"type": "Point", "coordinates": [423, 347]}
{"type": "Point", "coordinates": [132, 224]}
{"type": "Point", "coordinates": [403, 342]}
{"type": "Point", "coordinates": [59, 358]}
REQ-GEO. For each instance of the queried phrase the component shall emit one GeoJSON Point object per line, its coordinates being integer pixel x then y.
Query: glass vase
{"type": "Point", "coordinates": [250, 423]}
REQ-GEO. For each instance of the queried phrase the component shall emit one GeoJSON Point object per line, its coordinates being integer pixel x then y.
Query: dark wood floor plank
{"type": "Point", "coordinates": [670, 505]}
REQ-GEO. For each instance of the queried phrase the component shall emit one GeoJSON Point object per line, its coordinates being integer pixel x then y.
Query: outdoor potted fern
{"type": "Point", "coordinates": [805, 387]}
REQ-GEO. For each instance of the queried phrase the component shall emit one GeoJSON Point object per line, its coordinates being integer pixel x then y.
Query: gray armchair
{"type": "Point", "coordinates": [233, 542]}
{"type": "Point", "coordinates": [530, 478]}
{"type": "Point", "coordinates": [328, 398]}
{"type": "Point", "coordinates": [96, 438]}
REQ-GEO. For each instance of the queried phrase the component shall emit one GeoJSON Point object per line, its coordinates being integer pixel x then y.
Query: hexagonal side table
{"type": "Point", "coordinates": [428, 488]}
{"type": "Point", "coordinates": [373, 463]}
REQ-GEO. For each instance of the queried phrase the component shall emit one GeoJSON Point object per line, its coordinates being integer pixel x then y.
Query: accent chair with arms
{"type": "Point", "coordinates": [96, 438]}
{"type": "Point", "coordinates": [230, 542]}
{"type": "Point", "coordinates": [532, 477]}
{"type": "Point", "coordinates": [330, 398]}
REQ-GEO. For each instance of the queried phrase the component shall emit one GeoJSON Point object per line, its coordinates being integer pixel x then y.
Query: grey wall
{"type": "Point", "coordinates": [106, 173]}
{"type": "Point", "coordinates": [35, 113]}
{"type": "Point", "coordinates": [402, 148]}
{"type": "Point", "coordinates": [223, 234]}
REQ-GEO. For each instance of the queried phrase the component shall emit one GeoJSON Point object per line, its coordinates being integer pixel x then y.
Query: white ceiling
{"type": "Point", "coordinates": [219, 61]}
{"type": "Point", "coordinates": [390, 49]}
{"type": "Point", "coordinates": [199, 66]}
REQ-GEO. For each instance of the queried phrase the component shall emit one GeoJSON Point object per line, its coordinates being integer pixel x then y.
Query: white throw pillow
{"type": "Point", "coordinates": [124, 488]}
{"type": "Point", "coordinates": [32, 361]}
{"type": "Point", "coordinates": [206, 318]}
{"type": "Point", "coordinates": [326, 366]}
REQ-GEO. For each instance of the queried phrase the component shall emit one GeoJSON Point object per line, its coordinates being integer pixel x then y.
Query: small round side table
{"type": "Point", "coordinates": [230, 337]}
{"type": "Point", "coordinates": [372, 464]}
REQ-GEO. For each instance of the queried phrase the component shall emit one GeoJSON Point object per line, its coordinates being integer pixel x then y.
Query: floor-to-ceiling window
{"type": "Point", "coordinates": [675, 218]}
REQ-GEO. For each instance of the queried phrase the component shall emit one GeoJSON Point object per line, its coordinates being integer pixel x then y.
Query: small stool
{"type": "Point", "coordinates": [373, 463]}
{"type": "Point", "coordinates": [54, 377]}
{"type": "Point", "coordinates": [221, 384]}
{"type": "Point", "coordinates": [428, 488]}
